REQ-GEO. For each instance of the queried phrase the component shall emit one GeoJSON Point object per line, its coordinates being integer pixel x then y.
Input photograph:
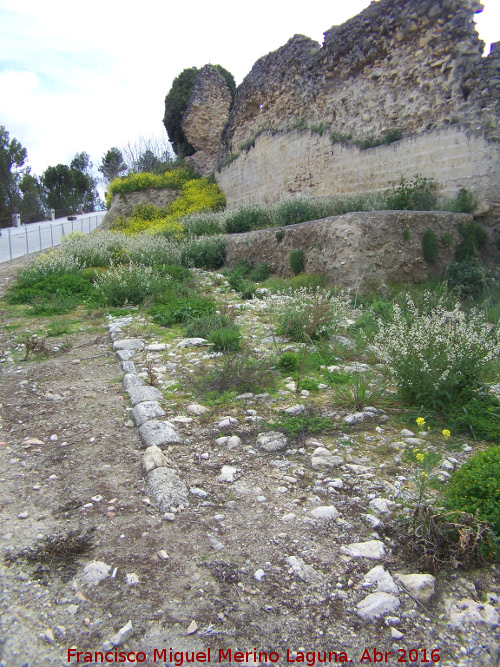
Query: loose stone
{"type": "Point", "coordinates": [376, 605]}
{"type": "Point", "coordinates": [373, 549]}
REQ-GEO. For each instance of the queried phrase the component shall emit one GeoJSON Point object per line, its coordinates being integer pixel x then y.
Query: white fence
{"type": "Point", "coordinates": [18, 241]}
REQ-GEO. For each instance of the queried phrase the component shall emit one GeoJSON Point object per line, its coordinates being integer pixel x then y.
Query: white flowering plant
{"type": "Point", "coordinates": [437, 356]}
{"type": "Point", "coordinates": [305, 314]}
{"type": "Point", "coordinates": [130, 284]}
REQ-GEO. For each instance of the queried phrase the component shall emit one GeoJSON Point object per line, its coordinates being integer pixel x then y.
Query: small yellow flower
{"type": "Point", "coordinates": [446, 433]}
{"type": "Point", "coordinates": [420, 457]}
{"type": "Point", "coordinates": [420, 421]}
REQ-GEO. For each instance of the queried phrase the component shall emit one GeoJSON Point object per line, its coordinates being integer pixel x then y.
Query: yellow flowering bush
{"type": "Point", "coordinates": [196, 195]}
{"type": "Point", "coordinates": [173, 180]}
{"type": "Point", "coordinates": [149, 218]}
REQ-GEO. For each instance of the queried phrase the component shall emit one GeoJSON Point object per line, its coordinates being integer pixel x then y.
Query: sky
{"type": "Point", "coordinates": [87, 76]}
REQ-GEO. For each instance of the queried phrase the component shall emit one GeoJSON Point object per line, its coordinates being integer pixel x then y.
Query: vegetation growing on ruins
{"type": "Point", "coordinates": [176, 103]}
{"type": "Point", "coordinates": [196, 194]}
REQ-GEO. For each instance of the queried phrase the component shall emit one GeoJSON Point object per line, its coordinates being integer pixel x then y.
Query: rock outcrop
{"type": "Point", "coordinates": [205, 118]}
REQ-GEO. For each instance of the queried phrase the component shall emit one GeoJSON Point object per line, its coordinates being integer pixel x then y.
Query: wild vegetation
{"type": "Point", "coordinates": [429, 353]}
{"type": "Point", "coordinates": [437, 349]}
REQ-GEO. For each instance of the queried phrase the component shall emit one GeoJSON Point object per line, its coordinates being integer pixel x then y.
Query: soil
{"type": "Point", "coordinates": [73, 492]}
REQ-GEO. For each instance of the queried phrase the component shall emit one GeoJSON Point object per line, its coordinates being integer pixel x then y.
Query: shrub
{"type": "Point", "coordinates": [204, 223]}
{"type": "Point", "coordinates": [308, 281]}
{"type": "Point", "coordinates": [358, 392]}
{"type": "Point", "coordinates": [56, 262]}
{"type": "Point", "coordinates": [174, 180]}
{"type": "Point", "coordinates": [226, 339]}
{"type": "Point", "coordinates": [437, 539]}
{"type": "Point", "coordinates": [55, 294]}
{"type": "Point", "coordinates": [302, 425]}
{"type": "Point", "coordinates": [201, 327]}
{"type": "Point", "coordinates": [92, 273]}
{"type": "Point", "coordinates": [474, 238]}
{"type": "Point", "coordinates": [182, 309]}
{"type": "Point", "coordinates": [469, 276]}
{"type": "Point", "coordinates": [479, 417]}
{"type": "Point", "coordinates": [475, 487]}
{"type": "Point", "coordinates": [464, 202]}
{"type": "Point", "coordinates": [340, 137]}
{"type": "Point", "coordinates": [430, 246]}
{"type": "Point", "coordinates": [289, 362]}
{"type": "Point", "coordinates": [297, 261]}
{"type": "Point", "coordinates": [149, 218]}
{"type": "Point", "coordinates": [130, 284]}
{"type": "Point", "coordinates": [197, 195]}
{"type": "Point", "coordinates": [280, 233]}
{"type": "Point", "coordinates": [244, 269]}
{"type": "Point", "coordinates": [436, 356]}
{"type": "Point", "coordinates": [394, 134]}
{"type": "Point", "coordinates": [415, 195]}
{"type": "Point", "coordinates": [238, 372]}
{"type": "Point", "coordinates": [204, 252]}
{"type": "Point", "coordinates": [298, 209]}
{"type": "Point", "coordinates": [247, 218]}
{"type": "Point", "coordinates": [260, 273]}
{"type": "Point", "coordinates": [304, 316]}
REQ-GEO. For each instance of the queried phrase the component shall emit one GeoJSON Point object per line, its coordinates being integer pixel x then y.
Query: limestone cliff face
{"type": "Point", "coordinates": [205, 118]}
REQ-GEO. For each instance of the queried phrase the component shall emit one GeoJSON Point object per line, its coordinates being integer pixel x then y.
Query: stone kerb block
{"type": "Point", "coordinates": [159, 434]}
{"type": "Point", "coordinates": [139, 394]}
{"type": "Point", "coordinates": [166, 489]}
{"type": "Point", "coordinates": [146, 411]}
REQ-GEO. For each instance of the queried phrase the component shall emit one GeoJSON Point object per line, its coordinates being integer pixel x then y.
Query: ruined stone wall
{"type": "Point", "coordinates": [406, 64]}
{"type": "Point", "coordinates": [123, 204]}
{"type": "Point", "coordinates": [305, 162]}
{"type": "Point", "coordinates": [357, 250]}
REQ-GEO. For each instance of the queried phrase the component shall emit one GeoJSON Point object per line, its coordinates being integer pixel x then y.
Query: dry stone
{"type": "Point", "coordinates": [303, 571]}
{"type": "Point", "coordinates": [377, 604]}
{"type": "Point", "coordinates": [421, 586]}
{"type": "Point", "coordinates": [122, 205]}
{"type": "Point", "coordinates": [205, 118]}
{"type": "Point", "coordinates": [323, 457]}
{"type": "Point", "coordinates": [373, 549]}
{"type": "Point", "coordinates": [379, 577]}
{"type": "Point", "coordinates": [153, 458]}
{"type": "Point", "coordinates": [468, 612]}
{"type": "Point", "coordinates": [273, 441]}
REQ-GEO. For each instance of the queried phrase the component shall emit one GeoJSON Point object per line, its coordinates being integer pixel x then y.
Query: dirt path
{"type": "Point", "coordinates": [244, 560]}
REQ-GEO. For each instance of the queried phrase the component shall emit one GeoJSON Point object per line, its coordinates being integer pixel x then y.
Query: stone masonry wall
{"type": "Point", "coordinates": [406, 64]}
{"type": "Point", "coordinates": [122, 205]}
{"type": "Point", "coordinates": [355, 251]}
{"type": "Point", "coordinates": [307, 163]}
